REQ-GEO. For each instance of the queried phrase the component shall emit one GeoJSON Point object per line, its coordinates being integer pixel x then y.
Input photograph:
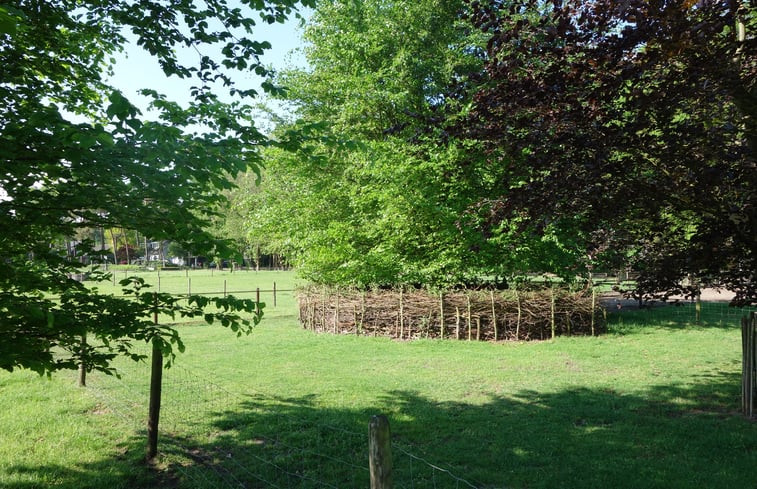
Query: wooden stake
{"type": "Point", "coordinates": [552, 318]}
{"type": "Point", "coordinates": [593, 307]}
{"type": "Point", "coordinates": [748, 365]}
{"type": "Point", "coordinates": [380, 453]}
{"type": "Point", "coordinates": [82, 365]}
{"type": "Point", "coordinates": [156, 385]}
{"type": "Point", "coordinates": [323, 311]}
{"type": "Point", "coordinates": [494, 317]}
{"type": "Point", "coordinates": [517, 324]}
{"type": "Point", "coordinates": [362, 310]}
{"type": "Point", "coordinates": [441, 314]}
{"type": "Point", "coordinates": [336, 313]}
{"type": "Point", "coordinates": [698, 308]}
{"type": "Point", "coordinates": [402, 323]}
{"type": "Point", "coordinates": [468, 317]}
{"type": "Point", "coordinates": [457, 322]}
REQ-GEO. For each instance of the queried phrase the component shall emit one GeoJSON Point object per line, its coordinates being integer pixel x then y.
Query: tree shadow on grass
{"type": "Point", "coordinates": [125, 468]}
{"type": "Point", "coordinates": [665, 437]}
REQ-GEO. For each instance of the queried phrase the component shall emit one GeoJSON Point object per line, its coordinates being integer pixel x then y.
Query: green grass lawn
{"type": "Point", "coordinates": [652, 404]}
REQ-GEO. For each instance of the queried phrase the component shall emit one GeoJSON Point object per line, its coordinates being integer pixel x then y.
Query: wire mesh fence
{"type": "Point", "coordinates": [212, 437]}
{"type": "Point", "coordinates": [702, 313]}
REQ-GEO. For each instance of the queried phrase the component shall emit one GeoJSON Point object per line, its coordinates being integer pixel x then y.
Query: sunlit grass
{"type": "Point", "coordinates": [651, 404]}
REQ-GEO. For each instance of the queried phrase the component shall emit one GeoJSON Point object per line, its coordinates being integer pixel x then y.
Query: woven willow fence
{"type": "Point", "coordinates": [462, 315]}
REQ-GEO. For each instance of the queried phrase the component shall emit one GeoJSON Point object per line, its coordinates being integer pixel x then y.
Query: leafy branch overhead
{"type": "Point", "coordinates": [77, 154]}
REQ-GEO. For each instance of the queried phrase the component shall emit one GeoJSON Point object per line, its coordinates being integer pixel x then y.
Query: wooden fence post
{"type": "Point", "coordinates": [552, 318]}
{"type": "Point", "coordinates": [593, 307]}
{"type": "Point", "coordinates": [698, 308]}
{"type": "Point", "coordinates": [380, 453]}
{"type": "Point", "coordinates": [336, 313]}
{"type": "Point", "coordinates": [82, 364]}
{"type": "Point", "coordinates": [517, 320]}
{"type": "Point", "coordinates": [402, 313]}
{"type": "Point", "coordinates": [156, 380]}
{"type": "Point", "coordinates": [748, 365]}
{"type": "Point", "coordinates": [362, 310]}
{"type": "Point", "coordinates": [441, 315]}
{"type": "Point", "coordinates": [274, 294]}
{"type": "Point", "coordinates": [468, 315]}
{"type": "Point", "coordinates": [457, 323]}
{"type": "Point", "coordinates": [494, 317]}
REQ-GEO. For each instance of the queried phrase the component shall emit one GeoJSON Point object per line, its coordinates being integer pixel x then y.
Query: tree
{"type": "Point", "coordinates": [117, 168]}
{"type": "Point", "coordinates": [628, 129]}
{"type": "Point", "coordinates": [369, 196]}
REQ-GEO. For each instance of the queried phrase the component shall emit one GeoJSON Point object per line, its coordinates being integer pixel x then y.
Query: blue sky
{"type": "Point", "coordinates": [136, 69]}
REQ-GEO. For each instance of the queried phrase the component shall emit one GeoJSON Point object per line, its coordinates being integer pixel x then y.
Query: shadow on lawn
{"type": "Point", "coordinates": [668, 437]}
{"type": "Point", "coordinates": [671, 436]}
{"type": "Point", "coordinates": [127, 469]}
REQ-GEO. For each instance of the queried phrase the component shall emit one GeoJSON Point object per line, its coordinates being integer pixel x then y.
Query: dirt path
{"type": "Point", "coordinates": [615, 300]}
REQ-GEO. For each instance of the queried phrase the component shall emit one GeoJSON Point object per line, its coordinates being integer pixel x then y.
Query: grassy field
{"type": "Point", "coordinates": [652, 404]}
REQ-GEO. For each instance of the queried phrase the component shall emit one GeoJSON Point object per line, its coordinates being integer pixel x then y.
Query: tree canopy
{"type": "Point", "coordinates": [494, 138]}
{"type": "Point", "coordinates": [77, 154]}
{"type": "Point", "coordinates": [631, 127]}
{"type": "Point", "coordinates": [370, 196]}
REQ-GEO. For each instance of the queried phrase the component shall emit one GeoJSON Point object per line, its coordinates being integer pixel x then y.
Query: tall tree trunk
{"type": "Point", "coordinates": [114, 240]}
{"type": "Point", "coordinates": [126, 245]}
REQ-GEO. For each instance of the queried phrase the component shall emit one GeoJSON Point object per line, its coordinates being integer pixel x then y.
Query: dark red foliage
{"type": "Point", "coordinates": [632, 123]}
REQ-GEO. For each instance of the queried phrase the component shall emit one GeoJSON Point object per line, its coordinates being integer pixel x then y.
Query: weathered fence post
{"type": "Point", "coordinates": [552, 311]}
{"type": "Point", "coordinates": [441, 315]}
{"type": "Point", "coordinates": [494, 317]}
{"type": "Point", "coordinates": [520, 313]}
{"type": "Point", "coordinates": [362, 311]}
{"type": "Point", "coordinates": [698, 307]}
{"type": "Point", "coordinates": [457, 323]}
{"type": "Point", "coordinates": [593, 307]}
{"type": "Point", "coordinates": [274, 294]}
{"type": "Point", "coordinates": [336, 313]}
{"type": "Point", "coordinates": [402, 314]}
{"type": "Point", "coordinates": [380, 453]}
{"type": "Point", "coordinates": [748, 365]}
{"type": "Point", "coordinates": [156, 380]}
{"type": "Point", "coordinates": [82, 364]}
{"type": "Point", "coordinates": [468, 316]}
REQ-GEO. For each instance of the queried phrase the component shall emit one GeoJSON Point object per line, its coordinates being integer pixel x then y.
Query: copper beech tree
{"type": "Point", "coordinates": [627, 129]}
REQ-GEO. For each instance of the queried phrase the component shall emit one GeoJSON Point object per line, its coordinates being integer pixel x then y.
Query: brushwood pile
{"type": "Point", "coordinates": [483, 315]}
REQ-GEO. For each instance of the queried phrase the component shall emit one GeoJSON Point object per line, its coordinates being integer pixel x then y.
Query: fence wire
{"type": "Point", "coordinates": [704, 313]}
{"type": "Point", "coordinates": [209, 445]}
